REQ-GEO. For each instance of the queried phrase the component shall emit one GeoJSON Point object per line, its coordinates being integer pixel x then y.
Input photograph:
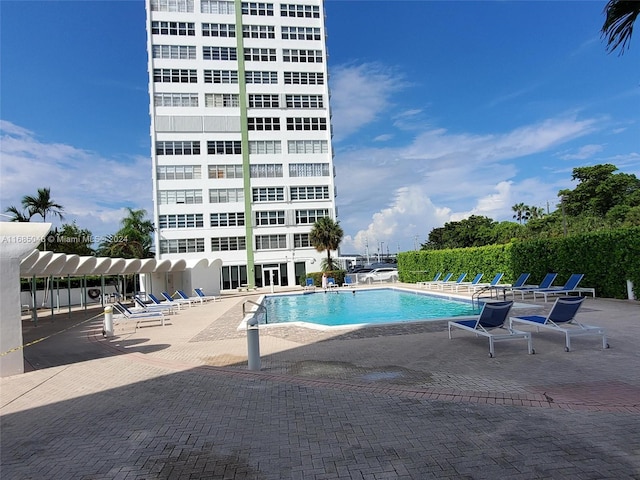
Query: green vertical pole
{"type": "Point", "coordinates": [34, 311]}
{"type": "Point", "coordinates": [69, 293]}
{"type": "Point", "coordinates": [246, 169]}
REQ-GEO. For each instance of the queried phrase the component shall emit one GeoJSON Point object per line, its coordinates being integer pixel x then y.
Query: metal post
{"type": "Point", "coordinates": [253, 344]}
{"type": "Point", "coordinates": [107, 327]}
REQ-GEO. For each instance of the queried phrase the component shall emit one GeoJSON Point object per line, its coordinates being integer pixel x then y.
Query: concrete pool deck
{"type": "Point", "coordinates": [393, 401]}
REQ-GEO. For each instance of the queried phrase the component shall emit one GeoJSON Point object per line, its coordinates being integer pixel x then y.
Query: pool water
{"type": "Point", "coordinates": [343, 307]}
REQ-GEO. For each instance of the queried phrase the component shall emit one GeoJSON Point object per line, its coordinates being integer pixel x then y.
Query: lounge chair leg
{"type": "Point", "coordinates": [491, 350]}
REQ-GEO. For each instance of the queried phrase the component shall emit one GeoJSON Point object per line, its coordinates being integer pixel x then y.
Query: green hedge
{"type": "Point", "coordinates": [607, 260]}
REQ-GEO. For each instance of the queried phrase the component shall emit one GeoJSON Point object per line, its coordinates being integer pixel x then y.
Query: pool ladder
{"type": "Point", "coordinates": [261, 308]}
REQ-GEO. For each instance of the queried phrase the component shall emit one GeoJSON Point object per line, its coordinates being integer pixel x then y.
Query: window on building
{"type": "Point", "coordinates": [263, 147]}
{"type": "Point", "coordinates": [260, 54]}
{"type": "Point", "coordinates": [269, 218]}
{"type": "Point", "coordinates": [173, 28]}
{"type": "Point", "coordinates": [307, 146]}
{"type": "Point", "coordinates": [301, 56]}
{"type": "Point", "coordinates": [259, 31]}
{"type": "Point", "coordinates": [261, 77]}
{"type": "Point", "coordinates": [307, 217]}
{"type": "Point", "coordinates": [175, 52]}
{"type": "Point", "coordinates": [173, 197]}
{"type": "Point", "coordinates": [225, 171]}
{"type": "Point", "coordinates": [172, 6]}
{"type": "Point", "coordinates": [301, 240]}
{"type": "Point", "coordinates": [178, 147]}
{"type": "Point", "coordinates": [179, 172]}
{"type": "Point", "coordinates": [220, 100]}
{"type": "Point", "coordinates": [304, 78]}
{"type": "Point", "coordinates": [263, 124]}
{"type": "Point", "coordinates": [174, 75]}
{"type": "Point", "coordinates": [320, 192]}
{"type": "Point", "coordinates": [299, 11]}
{"type": "Point", "coordinates": [227, 219]}
{"type": "Point", "coordinates": [301, 33]}
{"type": "Point", "coordinates": [270, 242]}
{"type": "Point", "coordinates": [223, 244]}
{"type": "Point", "coordinates": [218, 6]}
{"type": "Point", "coordinates": [311, 123]}
{"type": "Point", "coordinates": [226, 195]}
{"type": "Point", "coordinates": [219, 53]}
{"type": "Point", "coordinates": [181, 220]}
{"type": "Point", "coordinates": [257, 8]}
{"type": "Point", "coordinates": [266, 170]}
{"type": "Point", "coordinates": [268, 194]}
{"type": "Point", "coordinates": [304, 101]}
{"type": "Point", "coordinates": [220, 76]}
{"type": "Point", "coordinates": [227, 30]}
{"type": "Point", "coordinates": [175, 99]}
{"type": "Point", "coordinates": [309, 170]}
{"type": "Point", "coordinates": [182, 245]}
{"type": "Point", "coordinates": [263, 100]}
{"type": "Point", "coordinates": [224, 147]}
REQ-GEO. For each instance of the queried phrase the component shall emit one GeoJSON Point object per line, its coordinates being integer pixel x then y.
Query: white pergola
{"type": "Point", "coordinates": [19, 258]}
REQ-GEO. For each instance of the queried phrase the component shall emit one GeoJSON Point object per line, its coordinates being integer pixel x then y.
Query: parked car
{"type": "Point", "coordinates": [385, 274]}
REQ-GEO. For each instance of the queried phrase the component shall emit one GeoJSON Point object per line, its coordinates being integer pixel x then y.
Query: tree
{"type": "Point", "coordinates": [71, 239]}
{"type": "Point", "coordinates": [326, 234]}
{"type": "Point", "coordinates": [618, 24]}
{"type": "Point", "coordinates": [18, 216]}
{"type": "Point", "coordinates": [521, 212]}
{"type": "Point", "coordinates": [133, 240]}
{"type": "Point", "coordinates": [42, 205]}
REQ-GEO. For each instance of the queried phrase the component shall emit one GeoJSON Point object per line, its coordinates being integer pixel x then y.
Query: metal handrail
{"type": "Point", "coordinates": [259, 305]}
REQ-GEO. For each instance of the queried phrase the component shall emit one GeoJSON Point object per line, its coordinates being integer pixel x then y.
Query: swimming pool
{"type": "Point", "coordinates": [376, 306]}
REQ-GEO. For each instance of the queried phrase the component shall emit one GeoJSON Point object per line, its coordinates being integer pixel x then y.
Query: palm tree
{"type": "Point", "coordinates": [536, 212]}
{"type": "Point", "coordinates": [326, 234]}
{"type": "Point", "coordinates": [520, 209]}
{"type": "Point", "coordinates": [18, 216]}
{"type": "Point", "coordinates": [618, 25]}
{"type": "Point", "coordinates": [42, 205]}
{"type": "Point", "coordinates": [133, 240]}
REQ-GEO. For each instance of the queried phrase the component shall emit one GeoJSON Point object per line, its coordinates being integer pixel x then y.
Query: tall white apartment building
{"type": "Point", "coordinates": [240, 135]}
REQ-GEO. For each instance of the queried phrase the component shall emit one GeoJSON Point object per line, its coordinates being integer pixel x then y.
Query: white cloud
{"type": "Point", "coordinates": [92, 189]}
{"type": "Point", "coordinates": [587, 151]}
{"type": "Point", "coordinates": [392, 194]}
{"type": "Point", "coordinates": [359, 94]}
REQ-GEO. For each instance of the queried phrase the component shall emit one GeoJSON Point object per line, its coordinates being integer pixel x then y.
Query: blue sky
{"type": "Point", "coordinates": [441, 110]}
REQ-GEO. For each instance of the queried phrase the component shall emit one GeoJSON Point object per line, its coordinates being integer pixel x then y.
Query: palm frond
{"type": "Point", "coordinates": [618, 25]}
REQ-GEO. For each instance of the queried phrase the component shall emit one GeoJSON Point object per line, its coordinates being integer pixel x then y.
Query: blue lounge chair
{"type": "Point", "coordinates": [425, 283]}
{"type": "Point", "coordinates": [331, 283]}
{"type": "Point", "coordinates": [570, 287]}
{"type": "Point", "coordinates": [206, 298]}
{"type": "Point", "coordinates": [157, 301]}
{"type": "Point", "coordinates": [446, 285]}
{"type": "Point", "coordinates": [348, 281]}
{"type": "Point", "coordinates": [493, 316]}
{"type": "Point", "coordinates": [310, 285]}
{"type": "Point", "coordinates": [143, 307]}
{"type": "Point", "coordinates": [486, 286]}
{"type": "Point", "coordinates": [138, 316]}
{"type": "Point", "coordinates": [561, 318]}
{"type": "Point", "coordinates": [520, 282]}
{"type": "Point", "coordinates": [435, 283]}
{"type": "Point", "coordinates": [472, 283]}
{"type": "Point", "coordinates": [546, 282]}
{"type": "Point", "coordinates": [181, 301]}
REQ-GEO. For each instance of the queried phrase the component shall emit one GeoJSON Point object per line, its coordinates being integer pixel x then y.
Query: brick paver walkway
{"type": "Point", "coordinates": [382, 403]}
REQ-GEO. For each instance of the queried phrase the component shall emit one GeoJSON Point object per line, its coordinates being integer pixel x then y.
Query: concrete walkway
{"type": "Point", "coordinates": [387, 402]}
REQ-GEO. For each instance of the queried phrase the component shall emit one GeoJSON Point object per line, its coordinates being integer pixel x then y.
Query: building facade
{"type": "Point", "coordinates": [240, 135]}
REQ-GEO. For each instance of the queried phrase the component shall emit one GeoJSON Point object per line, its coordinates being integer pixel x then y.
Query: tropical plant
{"type": "Point", "coordinates": [42, 205]}
{"type": "Point", "coordinates": [520, 210]}
{"type": "Point", "coordinates": [618, 25]}
{"type": "Point", "coordinates": [133, 240]}
{"type": "Point", "coordinates": [71, 239]}
{"type": "Point", "coordinates": [326, 235]}
{"type": "Point", "coordinates": [18, 216]}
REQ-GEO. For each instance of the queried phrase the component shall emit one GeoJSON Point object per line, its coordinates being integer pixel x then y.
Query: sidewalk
{"type": "Point", "coordinates": [383, 402]}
